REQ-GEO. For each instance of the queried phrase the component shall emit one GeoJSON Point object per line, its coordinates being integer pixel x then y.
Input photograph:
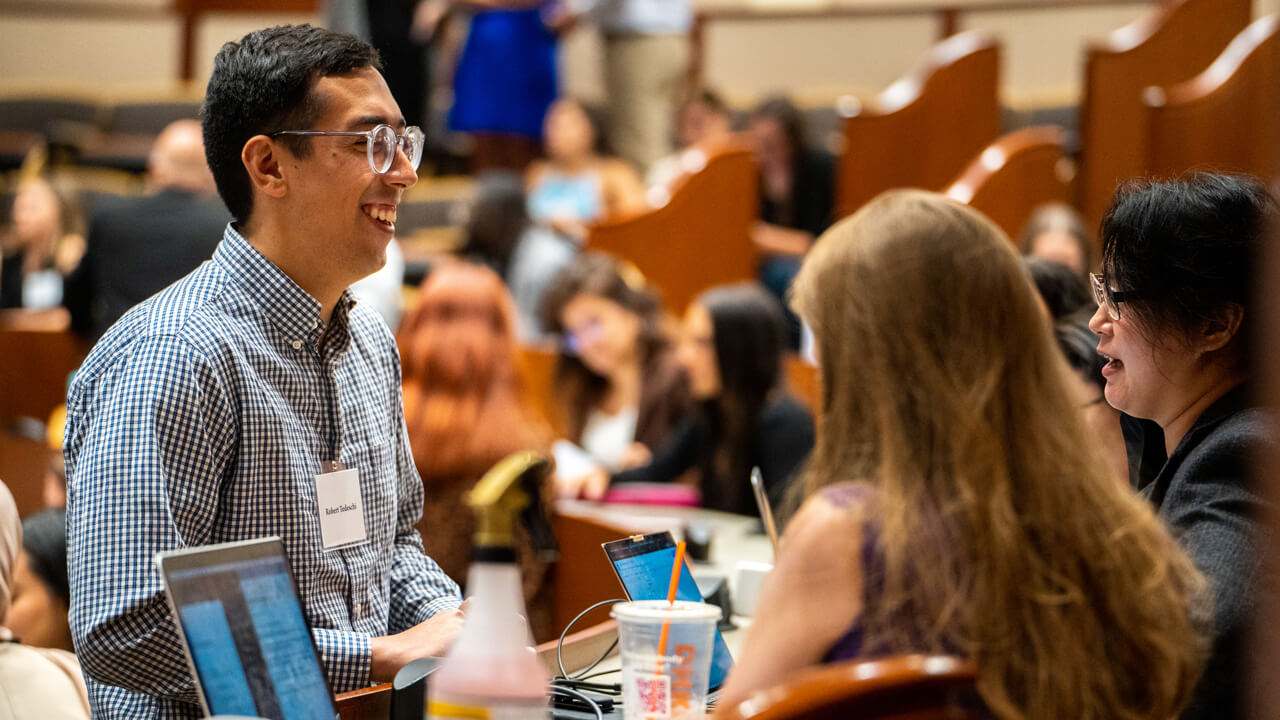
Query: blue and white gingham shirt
{"type": "Point", "coordinates": [203, 416]}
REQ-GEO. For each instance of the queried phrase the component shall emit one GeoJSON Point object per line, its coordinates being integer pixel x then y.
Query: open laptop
{"type": "Point", "coordinates": [244, 633]}
{"type": "Point", "coordinates": [643, 566]}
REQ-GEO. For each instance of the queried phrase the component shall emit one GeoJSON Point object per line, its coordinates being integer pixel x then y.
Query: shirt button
{"type": "Point", "coordinates": [297, 344]}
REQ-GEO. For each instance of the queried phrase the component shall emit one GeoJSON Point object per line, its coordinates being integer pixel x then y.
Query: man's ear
{"type": "Point", "coordinates": [262, 161]}
{"type": "Point", "coordinates": [1219, 330]}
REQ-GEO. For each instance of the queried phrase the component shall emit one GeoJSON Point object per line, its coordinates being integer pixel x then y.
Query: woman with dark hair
{"type": "Point", "coordinates": [797, 196]}
{"type": "Point", "coordinates": [954, 505]}
{"type": "Point", "coordinates": [1176, 312]}
{"type": "Point", "coordinates": [1079, 348]}
{"type": "Point", "coordinates": [621, 388]}
{"type": "Point", "coordinates": [731, 347]}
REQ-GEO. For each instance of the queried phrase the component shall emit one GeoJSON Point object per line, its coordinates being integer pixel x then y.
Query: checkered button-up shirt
{"type": "Point", "coordinates": [203, 416]}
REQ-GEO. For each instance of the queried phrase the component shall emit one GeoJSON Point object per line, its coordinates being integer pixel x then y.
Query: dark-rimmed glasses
{"type": "Point", "coordinates": [1108, 298]}
{"type": "Point", "coordinates": [380, 144]}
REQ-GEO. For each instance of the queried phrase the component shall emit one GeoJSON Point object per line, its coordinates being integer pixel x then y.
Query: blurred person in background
{"type": "Point", "coordinates": [1079, 348]}
{"type": "Point", "coordinates": [1063, 290]}
{"type": "Point", "coordinates": [1057, 232]}
{"type": "Point", "coordinates": [465, 410]}
{"type": "Point", "coordinates": [505, 81]}
{"type": "Point", "coordinates": [646, 64]}
{"type": "Point", "coordinates": [797, 196]}
{"type": "Point", "coordinates": [621, 387]}
{"type": "Point", "coordinates": [1176, 314]}
{"type": "Point", "coordinates": [40, 596]}
{"type": "Point", "coordinates": [34, 682]}
{"type": "Point", "coordinates": [731, 348]}
{"type": "Point", "coordinates": [138, 246]}
{"type": "Point", "coordinates": [579, 183]}
{"type": "Point", "coordinates": [43, 245]}
{"type": "Point", "coordinates": [702, 121]}
{"type": "Point", "coordinates": [528, 257]}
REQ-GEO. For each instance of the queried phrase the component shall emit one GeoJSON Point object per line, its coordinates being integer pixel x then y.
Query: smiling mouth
{"type": "Point", "coordinates": [384, 215]}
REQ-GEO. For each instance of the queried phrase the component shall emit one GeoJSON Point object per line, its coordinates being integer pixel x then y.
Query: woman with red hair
{"type": "Point", "coordinates": [465, 409]}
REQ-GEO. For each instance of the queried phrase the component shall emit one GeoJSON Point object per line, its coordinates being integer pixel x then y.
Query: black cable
{"type": "Point", "coordinates": [565, 633]}
{"type": "Point", "coordinates": [599, 674]}
{"type": "Point", "coordinates": [569, 692]}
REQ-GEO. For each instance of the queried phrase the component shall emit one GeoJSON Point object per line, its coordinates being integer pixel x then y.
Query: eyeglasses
{"type": "Point", "coordinates": [380, 144]}
{"type": "Point", "coordinates": [1107, 298]}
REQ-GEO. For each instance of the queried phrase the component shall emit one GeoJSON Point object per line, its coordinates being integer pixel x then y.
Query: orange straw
{"type": "Point", "coordinates": [671, 595]}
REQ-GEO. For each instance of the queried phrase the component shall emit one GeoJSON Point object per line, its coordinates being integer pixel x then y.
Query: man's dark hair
{"type": "Point", "coordinates": [1187, 249]}
{"type": "Point", "coordinates": [262, 84]}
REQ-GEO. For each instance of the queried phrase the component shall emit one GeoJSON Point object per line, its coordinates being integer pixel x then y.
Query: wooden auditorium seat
{"type": "Point", "coordinates": [1018, 172]}
{"type": "Point", "coordinates": [918, 687]}
{"type": "Point", "coordinates": [701, 236]}
{"type": "Point", "coordinates": [37, 353]}
{"type": "Point", "coordinates": [1169, 44]}
{"type": "Point", "coordinates": [922, 130]}
{"type": "Point", "coordinates": [803, 382]}
{"type": "Point", "coordinates": [1226, 118]}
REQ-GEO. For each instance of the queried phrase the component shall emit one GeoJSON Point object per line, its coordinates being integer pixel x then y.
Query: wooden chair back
{"type": "Point", "coordinates": [1226, 118]}
{"type": "Point", "coordinates": [583, 576]}
{"type": "Point", "coordinates": [924, 128]}
{"type": "Point", "coordinates": [37, 353]}
{"type": "Point", "coordinates": [1170, 43]}
{"type": "Point", "coordinates": [919, 687]}
{"type": "Point", "coordinates": [803, 381]}
{"type": "Point", "coordinates": [701, 237]}
{"type": "Point", "coordinates": [1014, 175]}
{"type": "Point", "coordinates": [537, 367]}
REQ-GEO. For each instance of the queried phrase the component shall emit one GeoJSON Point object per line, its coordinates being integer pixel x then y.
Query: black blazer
{"type": "Point", "coordinates": [137, 247]}
{"type": "Point", "coordinates": [1204, 493]}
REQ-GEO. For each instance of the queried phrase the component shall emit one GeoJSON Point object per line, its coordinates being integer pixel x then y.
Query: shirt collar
{"type": "Point", "coordinates": [294, 312]}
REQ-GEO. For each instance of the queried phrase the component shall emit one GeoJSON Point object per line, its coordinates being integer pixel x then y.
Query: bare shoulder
{"type": "Point", "coordinates": [822, 542]}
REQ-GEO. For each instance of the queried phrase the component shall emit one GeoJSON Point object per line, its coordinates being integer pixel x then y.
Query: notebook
{"type": "Point", "coordinates": [643, 565]}
{"type": "Point", "coordinates": [244, 632]}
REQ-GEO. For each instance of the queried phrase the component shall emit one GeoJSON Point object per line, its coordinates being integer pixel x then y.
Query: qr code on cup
{"type": "Point", "coordinates": [652, 695]}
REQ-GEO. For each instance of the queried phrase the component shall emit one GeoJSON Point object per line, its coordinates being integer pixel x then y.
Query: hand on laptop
{"type": "Point", "coordinates": [430, 638]}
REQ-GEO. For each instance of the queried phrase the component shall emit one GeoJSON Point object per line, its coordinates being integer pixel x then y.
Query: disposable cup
{"type": "Point", "coordinates": [671, 684]}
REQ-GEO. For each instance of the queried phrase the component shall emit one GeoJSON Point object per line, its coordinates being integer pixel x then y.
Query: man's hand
{"type": "Point", "coordinates": [432, 637]}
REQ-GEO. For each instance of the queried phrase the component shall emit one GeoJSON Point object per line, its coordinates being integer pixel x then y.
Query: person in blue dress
{"type": "Point", "coordinates": [505, 81]}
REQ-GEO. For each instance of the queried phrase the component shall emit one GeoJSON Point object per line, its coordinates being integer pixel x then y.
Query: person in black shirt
{"type": "Point", "coordinates": [797, 195]}
{"type": "Point", "coordinates": [731, 348]}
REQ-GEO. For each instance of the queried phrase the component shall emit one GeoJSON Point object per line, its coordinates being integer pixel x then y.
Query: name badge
{"type": "Point", "coordinates": [341, 508]}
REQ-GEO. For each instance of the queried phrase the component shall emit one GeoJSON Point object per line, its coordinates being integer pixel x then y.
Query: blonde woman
{"type": "Point", "coordinates": [954, 504]}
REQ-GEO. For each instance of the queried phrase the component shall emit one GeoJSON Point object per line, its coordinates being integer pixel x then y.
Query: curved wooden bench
{"type": "Point", "coordinates": [1015, 174]}
{"type": "Point", "coordinates": [699, 238]}
{"type": "Point", "coordinates": [920, 687]}
{"type": "Point", "coordinates": [922, 130]}
{"type": "Point", "coordinates": [1226, 118]}
{"type": "Point", "coordinates": [1170, 43]}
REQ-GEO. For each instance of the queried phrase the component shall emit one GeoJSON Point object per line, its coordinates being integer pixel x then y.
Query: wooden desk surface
{"type": "Point", "coordinates": [734, 537]}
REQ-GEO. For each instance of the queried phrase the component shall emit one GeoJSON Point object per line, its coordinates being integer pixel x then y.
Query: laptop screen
{"type": "Point", "coordinates": [245, 633]}
{"type": "Point", "coordinates": [643, 566]}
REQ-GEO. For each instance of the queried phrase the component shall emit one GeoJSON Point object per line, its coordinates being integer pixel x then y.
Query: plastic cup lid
{"type": "Point", "coordinates": [679, 611]}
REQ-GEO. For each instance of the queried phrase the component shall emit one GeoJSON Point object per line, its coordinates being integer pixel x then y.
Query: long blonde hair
{"type": "Point", "coordinates": [1000, 533]}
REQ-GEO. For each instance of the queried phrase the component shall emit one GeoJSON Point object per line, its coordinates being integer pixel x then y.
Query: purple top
{"type": "Point", "coordinates": [846, 496]}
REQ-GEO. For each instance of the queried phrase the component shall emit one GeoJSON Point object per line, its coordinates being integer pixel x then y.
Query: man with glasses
{"type": "Point", "coordinates": [255, 397]}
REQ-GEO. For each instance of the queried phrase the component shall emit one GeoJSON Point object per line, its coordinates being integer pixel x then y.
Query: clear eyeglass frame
{"type": "Point", "coordinates": [381, 144]}
{"type": "Point", "coordinates": [1107, 298]}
